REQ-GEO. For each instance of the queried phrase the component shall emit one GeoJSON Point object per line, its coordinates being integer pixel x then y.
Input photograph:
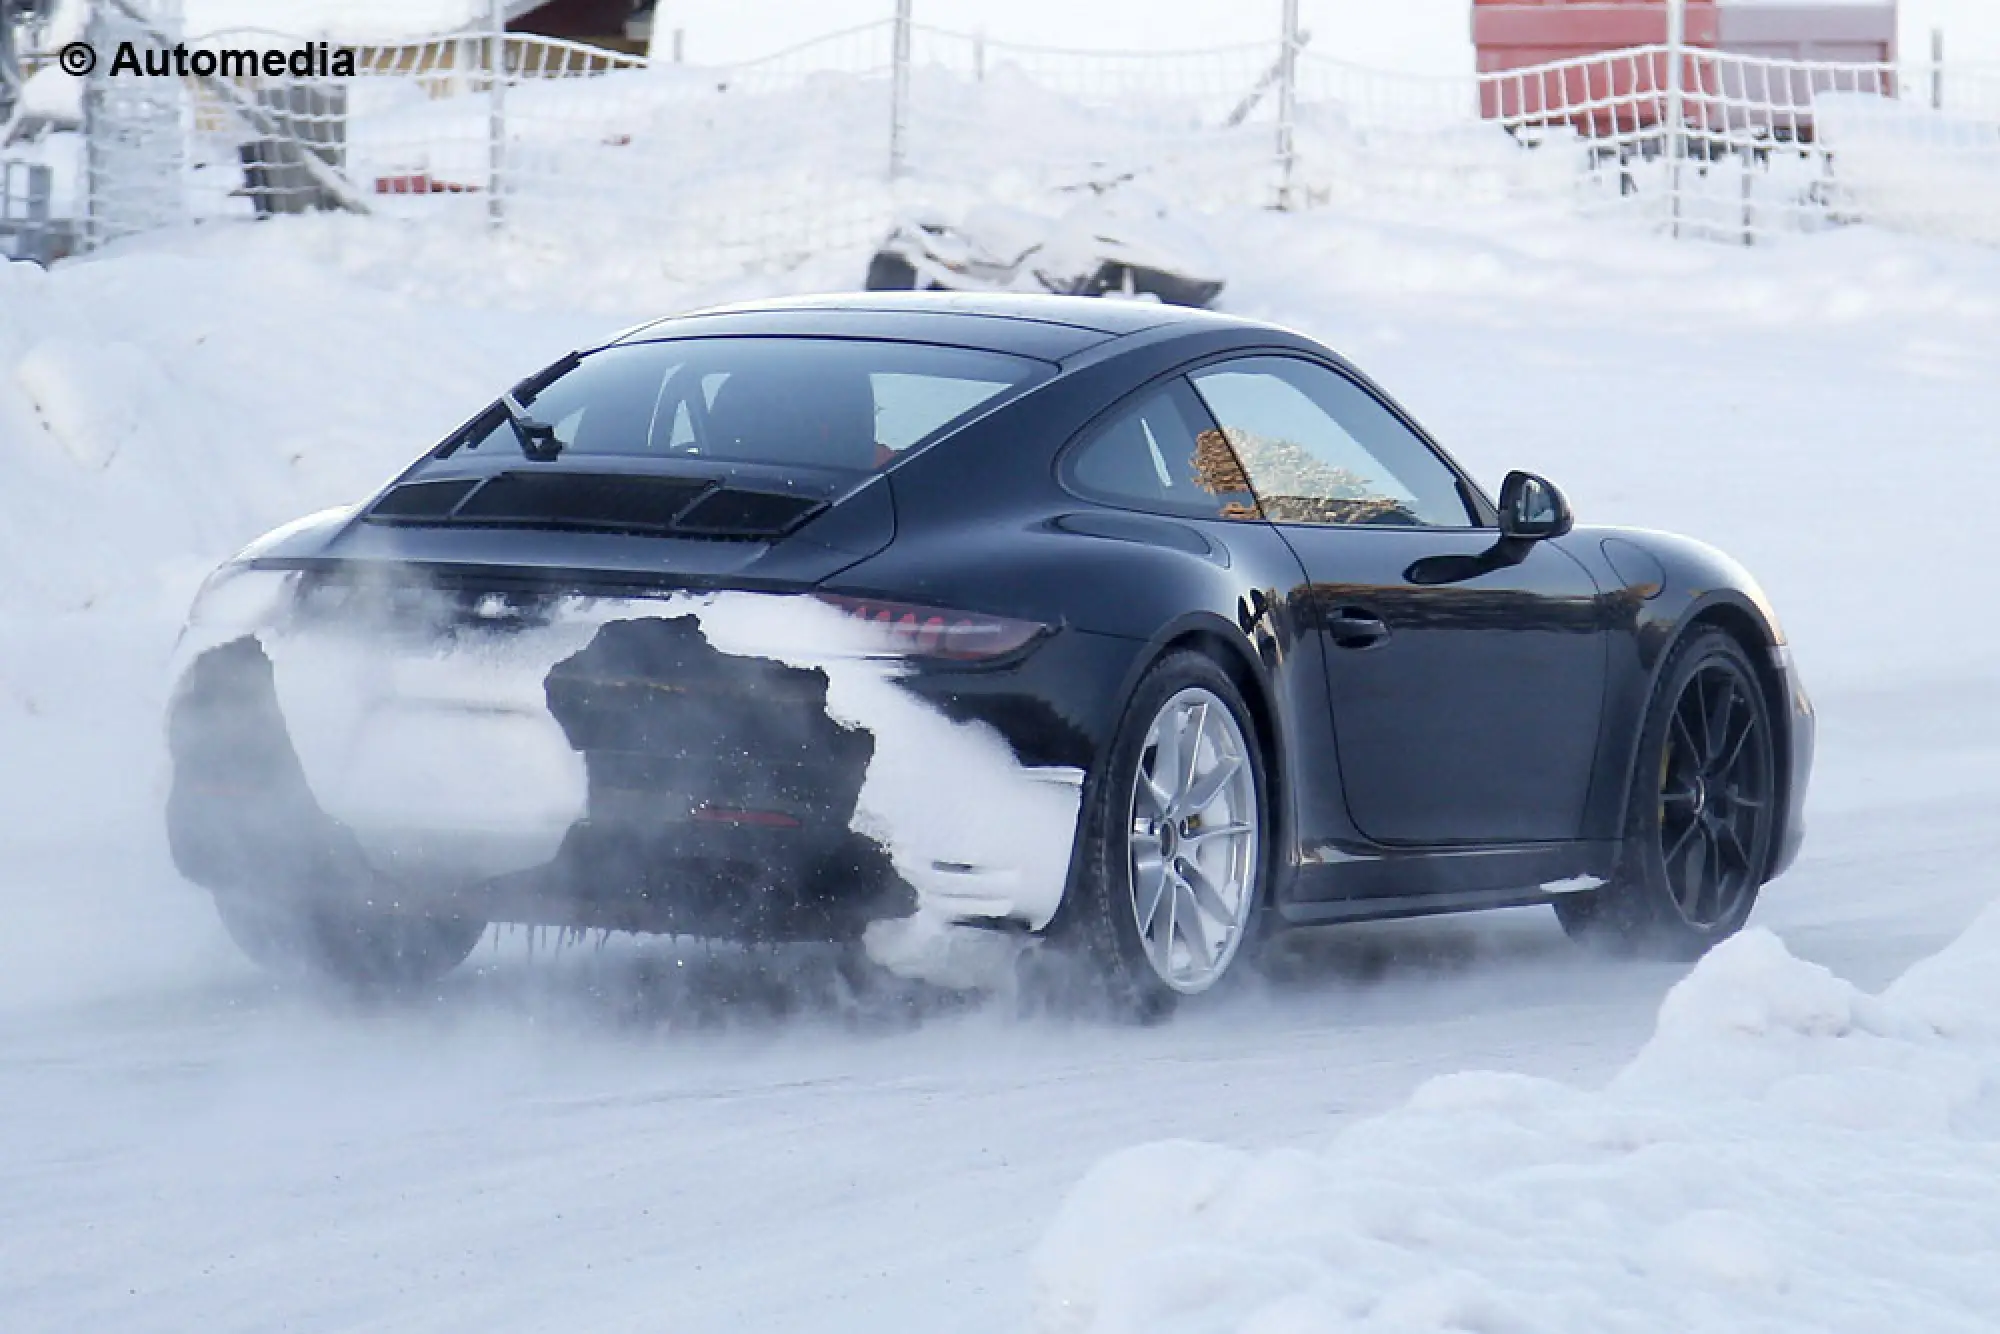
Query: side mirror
{"type": "Point", "coordinates": [1531, 508]}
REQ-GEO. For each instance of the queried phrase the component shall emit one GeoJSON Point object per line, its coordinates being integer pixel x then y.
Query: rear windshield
{"type": "Point", "coordinates": [846, 404]}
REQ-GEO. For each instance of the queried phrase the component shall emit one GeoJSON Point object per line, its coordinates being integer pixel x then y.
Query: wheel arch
{"type": "Point", "coordinates": [1738, 618]}
{"type": "Point", "coordinates": [1224, 644]}
{"type": "Point", "coordinates": [1753, 635]}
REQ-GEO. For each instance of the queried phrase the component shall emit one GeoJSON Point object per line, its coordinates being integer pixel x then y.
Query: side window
{"type": "Point", "coordinates": [1321, 449]}
{"type": "Point", "coordinates": [1160, 453]}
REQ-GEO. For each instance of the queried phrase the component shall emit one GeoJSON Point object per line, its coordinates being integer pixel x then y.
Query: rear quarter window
{"type": "Point", "coordinates": [1160, 452]}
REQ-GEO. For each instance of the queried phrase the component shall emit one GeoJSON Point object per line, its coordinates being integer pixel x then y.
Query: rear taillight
{"type": "Point", "coordinates": [908, 630]}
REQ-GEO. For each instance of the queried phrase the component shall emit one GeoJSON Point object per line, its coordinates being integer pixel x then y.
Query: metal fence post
{"type": "Point", "coordinates": [11, 78]}
{"type": "Point", "coordinates": [90, 224]}
{"type": "Point", "coordinates": [496, 112]}
{"type": "Point", "coordinates": [1676, 108]}
{"type": "Point", "coordinates": [899, 93]}
{"type": "Point", "coordinates": [1288, 100]}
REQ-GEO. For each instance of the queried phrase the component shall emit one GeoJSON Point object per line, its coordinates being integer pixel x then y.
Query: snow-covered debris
{"type": "Point", "coordinates": [1788, 1153]}
{"type": "Point", "coordinates": [52, 95]}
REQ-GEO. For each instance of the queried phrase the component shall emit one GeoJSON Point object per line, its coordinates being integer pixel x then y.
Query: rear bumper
{"type": "Point", "coordinates": [645, 781]}
{"type": "Point", "coordinates": [244, 817]}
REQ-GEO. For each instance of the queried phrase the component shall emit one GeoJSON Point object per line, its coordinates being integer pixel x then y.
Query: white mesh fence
{"type": "Point", "coordinates": [818, 148]}
{"type": "Point", "coordinates": [716, 171]}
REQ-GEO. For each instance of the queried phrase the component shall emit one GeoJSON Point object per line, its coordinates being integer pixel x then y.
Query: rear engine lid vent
{"type": "Point", "coordinates": [729, 512]}
{"type": "Point", "coordinates": [580, 500]}
{"type": "Point", "coordinates": [637, 503]}
{"type": "Point", "coordinates": [421, 501]}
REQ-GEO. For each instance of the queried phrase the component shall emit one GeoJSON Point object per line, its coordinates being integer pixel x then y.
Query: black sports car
{"type": "Point", "coordinates": [873, 619]}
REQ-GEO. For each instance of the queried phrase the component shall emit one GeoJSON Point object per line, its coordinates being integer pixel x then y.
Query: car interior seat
{"type": "Point", "coordinates": [822, 417]}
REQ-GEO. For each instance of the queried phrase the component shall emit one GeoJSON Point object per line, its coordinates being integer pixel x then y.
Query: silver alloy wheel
{"type": "Point", "coordinates": [1194, 844]}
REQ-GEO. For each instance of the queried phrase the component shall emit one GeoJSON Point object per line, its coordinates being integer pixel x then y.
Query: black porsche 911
{"type": "Point", "coordinates": [1140, 630]}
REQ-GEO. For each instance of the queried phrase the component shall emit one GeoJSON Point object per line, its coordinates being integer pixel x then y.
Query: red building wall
{"type": "Point", "coordinates": [1519, 34]}
{"type": "Point", "coordinates": [1512, 33]}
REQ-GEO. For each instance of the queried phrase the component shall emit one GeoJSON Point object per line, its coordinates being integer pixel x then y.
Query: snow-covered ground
{"type": "Point", "coordinates": [1787, 1152]}
{"type": "Point", "coordinates": [650, 1138]}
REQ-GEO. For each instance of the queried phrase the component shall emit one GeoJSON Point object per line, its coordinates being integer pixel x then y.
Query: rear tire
{"type": "Point", "coordinates": [1701, 813]}
{"type": "Point", "coordinates": [1170, 886]}
{"type": "Point", "coordinates": [365, 949]}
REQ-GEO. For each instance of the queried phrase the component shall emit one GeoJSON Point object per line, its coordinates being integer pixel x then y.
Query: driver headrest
{"type": "Point", "coordinates": [824, 417]}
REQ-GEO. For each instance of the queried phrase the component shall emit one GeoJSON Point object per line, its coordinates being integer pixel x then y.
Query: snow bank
{"type": "Point", "coordinates": [158, 411]}
{"type": "Point", "coordinates": [1787, 1153]}
{"type": "Point", "coordinates": [1907, 166]}
{"type": "Point", "coordinates": [1428, 36]}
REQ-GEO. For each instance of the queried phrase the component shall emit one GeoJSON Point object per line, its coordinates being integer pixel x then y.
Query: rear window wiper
{"type": "Point", "coordinates": [537, 438]}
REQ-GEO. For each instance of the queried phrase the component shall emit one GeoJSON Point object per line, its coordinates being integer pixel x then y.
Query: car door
{"type": "Point", "coordinates": [1465, 674]}
{"type": "Point", "coordinates": [1158, 456]}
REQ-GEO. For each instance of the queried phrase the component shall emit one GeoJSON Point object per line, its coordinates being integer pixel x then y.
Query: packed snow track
{"type": "Point", "coordinates": [652, 1135]}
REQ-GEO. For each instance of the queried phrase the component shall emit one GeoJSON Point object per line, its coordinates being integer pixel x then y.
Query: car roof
{"type": "Point", "coordinates": [1050, 327]}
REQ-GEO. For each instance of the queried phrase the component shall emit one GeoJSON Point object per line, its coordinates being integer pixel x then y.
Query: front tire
{"type": "Point", "coordinates": [1701, 814]}
{"type": "Point", "coordinates": [362, 948]}
{"type": "Point", "coordinates": [1173, 869]}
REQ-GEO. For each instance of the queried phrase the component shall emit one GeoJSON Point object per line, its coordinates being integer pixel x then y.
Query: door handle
{"type": "Point", "coordinates": [1355, 627]}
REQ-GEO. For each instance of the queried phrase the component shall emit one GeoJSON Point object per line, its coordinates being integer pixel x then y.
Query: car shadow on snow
{"type": "Point", "coordinates": [627, 982]}
{"type": "Point", "coordinates": [1371, 953]}
{"type": "Point", "coordinates": [1324, 976]}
